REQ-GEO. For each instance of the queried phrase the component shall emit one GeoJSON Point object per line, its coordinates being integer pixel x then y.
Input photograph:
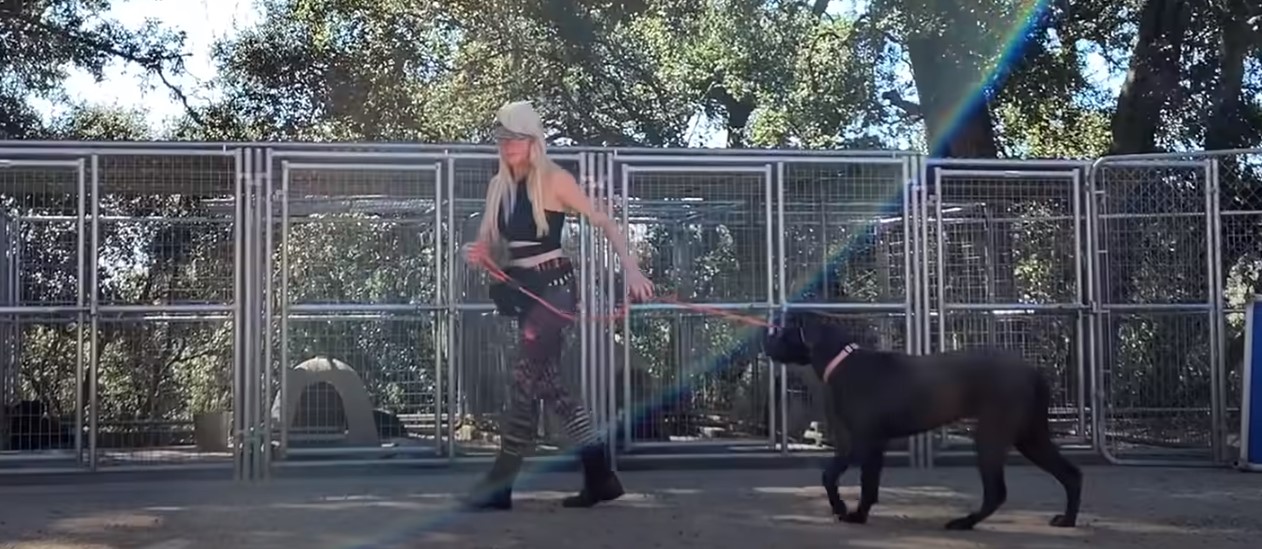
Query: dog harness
{"type": "Point", "coordinates": [836, 361]}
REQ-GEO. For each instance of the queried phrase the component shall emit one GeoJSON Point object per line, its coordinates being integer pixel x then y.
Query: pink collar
{"type": "Point", "coordinates": [845, 352]}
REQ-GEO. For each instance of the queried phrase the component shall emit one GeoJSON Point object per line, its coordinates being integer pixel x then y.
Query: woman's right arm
{"type": "Point", "coordinates": [476, 252]}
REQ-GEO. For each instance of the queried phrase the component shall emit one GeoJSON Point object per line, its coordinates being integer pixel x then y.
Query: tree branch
{"type": "Point", "coordinates": [154, 62]}
{"type": "Point", "coordinates": [819, 7]}
{"type": "Point", "coordinates": [910, 108]}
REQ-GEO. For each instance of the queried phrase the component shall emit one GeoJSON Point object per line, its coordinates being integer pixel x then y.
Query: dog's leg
{"type": "Point", "coordinates": [832, 475]}
{"type": "Point", "coordinates": [869, 481]}
{"type": "Point", "coordinates": [992, 449]}
{"type": "Point", "coordinates": [1043, 453]}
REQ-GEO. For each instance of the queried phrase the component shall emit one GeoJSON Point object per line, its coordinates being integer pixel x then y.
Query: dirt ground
{"type": "Point", "coordinates": [1124, 507]}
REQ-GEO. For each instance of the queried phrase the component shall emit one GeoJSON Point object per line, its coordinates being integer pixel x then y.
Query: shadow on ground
{"type": "Point", "coordinates": [1148, 508]}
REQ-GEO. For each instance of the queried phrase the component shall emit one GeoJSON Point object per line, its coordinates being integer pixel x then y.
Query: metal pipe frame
{"type": "Point", "coordinates": [121, 148]}
{"type": "Point", "coordinates": [1009, 174]}
{"type": "Point", "coordinates": [260, 375]}
{"type": "Point", "coordinates": [269, 308]}
{"type": "Point", "coordinates": [238, 331]}
{"type": "Point", "coordinates": [1217, 370]}
{"type": "Point", "coordinates": [763, 158]}
{"type": "Point", "coordinates": [63, 148]}
{"type": "Point", "coordinates": [610, 370]}
{"type": "Point", "coordinates": [782, 295]}
{"type": "Point", "coordinates": [81, 300]}
{"type": "Point", "coordinates": [440, 297]}
{"type": "Point", "coordinates": [1217, 278]}
{"type": "Point", "coordinates": [1013, 164]}
{"type": "Point", "coordinates": [585, 328]}
{"type": "Point", "coordinates": [627, 394]}
{"type": "Point", "coordinates": [452, 320]}
{"type": "Point", "coordinates": [94, 298]}
{"type": "Point", "coordinates": [1210, 306]}
{"type": "Point", "coordinates": [250, 366]}
{"type": "Point", "coordinates": [935, 196]}
{"type": "Point", "coordinates": [1072, 176]}
{"type": "Point", "coordinates": [261, 302]}
{"type": "Point", "coordinates": [769, 249]}
{"type": "Point", "coordinates": [604, 365]}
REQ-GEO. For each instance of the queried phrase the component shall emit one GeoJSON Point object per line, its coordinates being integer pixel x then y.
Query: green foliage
{"type": "Point", "coordinates": [41, 39]}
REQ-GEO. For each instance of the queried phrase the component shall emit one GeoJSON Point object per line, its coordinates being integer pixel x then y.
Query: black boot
{"type": "Point", "coordinates": [600, 483]}
{"type": "Point", "coordinates": [495, 491]}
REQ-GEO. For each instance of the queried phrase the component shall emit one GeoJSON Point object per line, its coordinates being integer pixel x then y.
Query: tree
{"type": "Point", "coordinates": [41, 39]}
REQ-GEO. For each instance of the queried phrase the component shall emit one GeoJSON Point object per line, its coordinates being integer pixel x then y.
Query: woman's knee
{"type": "Point", "coordinates": [541, 341]}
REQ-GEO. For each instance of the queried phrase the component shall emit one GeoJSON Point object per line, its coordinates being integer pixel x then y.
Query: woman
{"type": "Point", "coordinates": [526, 204]}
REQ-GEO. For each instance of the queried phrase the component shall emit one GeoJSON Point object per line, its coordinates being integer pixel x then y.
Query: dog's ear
{"type": "Point", "coordinates": [783, 342]}
{"type": "Point", "coordinates": [808, 323]}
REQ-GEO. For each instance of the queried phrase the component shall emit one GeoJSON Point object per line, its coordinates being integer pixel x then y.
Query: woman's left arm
{"type": "Point", "coordinates": [573, 198]}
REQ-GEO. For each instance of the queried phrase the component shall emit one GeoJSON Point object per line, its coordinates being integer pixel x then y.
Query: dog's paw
{"type": "Point", "coordinates": [1062, 521]}
{"type": "Point", "coordinates": [853, 517]}
{"type": "Point", "coordinates": [962, 523]}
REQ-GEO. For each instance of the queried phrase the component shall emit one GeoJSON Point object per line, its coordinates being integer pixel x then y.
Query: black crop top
{"type": "Point", "coordinates": [519, 226]}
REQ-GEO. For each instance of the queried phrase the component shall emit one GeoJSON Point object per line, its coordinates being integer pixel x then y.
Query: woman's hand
{"type": "Point", "coordinates": [638, 285]}
{"type": "Point", "coordinates": [475, 254]}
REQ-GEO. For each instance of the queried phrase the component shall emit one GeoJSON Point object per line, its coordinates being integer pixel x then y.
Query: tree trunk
{"type": "Point", "coordinates": [1152, 81]}
{"type": "Point", "coordinates": [1227, 129]}
{"type": "Point", "coordinates": [956, 125]}
{"type": "Point", "coordinates": [1153, 78]}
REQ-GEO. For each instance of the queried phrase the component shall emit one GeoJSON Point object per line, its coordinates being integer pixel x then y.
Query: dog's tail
{"type": "Point", "coordinates": [1040, 424]}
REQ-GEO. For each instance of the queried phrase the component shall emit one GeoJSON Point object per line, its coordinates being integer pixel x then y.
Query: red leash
{"type": "Point", "coordinates": [500, 275]}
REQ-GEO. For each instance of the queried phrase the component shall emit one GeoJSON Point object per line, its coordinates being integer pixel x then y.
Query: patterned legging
{"type": "Point", "coordinates": [542, 338]}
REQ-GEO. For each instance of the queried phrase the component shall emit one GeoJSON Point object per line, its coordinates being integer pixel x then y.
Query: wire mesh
{"type": "Point", "coordinates": [41, 416]}
{"type": "Point", "coordinates": [1164, 254]}
{"type": "Point", "coordinates": [41, 351]}
{"type": "Point", "coordinates": [362, 383]}
{"type": "Point", "coordinates": [701, 234]}
{"type": "Point", "coordinates": [1006, 244]}
{"type": "Point", "coordinates": [696, 378]}
{"type": "Point", "coordinates": [1050, 342]}
{"type": "Point", "coordinates": [157, 379]}
{"type": "Point", "coordinates": [1153, 220]}
{"type": "Point", "coordinates": [844, 231]}
{"type": "Point", "coordinates": [39, 208]}
{"type": "Point", "coordinates": [360, 267]}
{"type": "Point", "coordinates": [1239, 180]}
{"type": "Point", "coordinates": [1156, 282]}
{"type": "Point", "coordinates": [1009, 239]}
{"type": "Point", "coordinates": [1158, 384]}
{"type": "Point", "coordinates": [165, 229]}
{"type": "Point", "coordinates": [362, 236]}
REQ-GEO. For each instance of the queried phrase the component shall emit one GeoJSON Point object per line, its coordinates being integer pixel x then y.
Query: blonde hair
{"type": "Point", "coordinates": [501, 193]}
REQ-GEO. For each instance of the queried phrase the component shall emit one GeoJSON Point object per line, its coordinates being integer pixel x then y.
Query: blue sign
{"type": "Point", "coordinates": [1251, 407]}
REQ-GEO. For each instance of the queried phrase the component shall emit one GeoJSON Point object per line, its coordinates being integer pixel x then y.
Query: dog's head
{"type": "Point", "coordinates": [796, 337]}
{"type": "Point", "coordinates": [784, 342]}
{"type": "Point", "coordinates": [805, 337]}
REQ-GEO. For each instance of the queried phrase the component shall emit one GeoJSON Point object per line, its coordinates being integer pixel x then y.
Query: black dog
{"type": "Point", "coordinates": [880, 395]}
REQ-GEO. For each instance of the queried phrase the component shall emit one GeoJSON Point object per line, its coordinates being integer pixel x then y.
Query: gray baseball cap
{"type": "Point", "coordinates": [518, 120]}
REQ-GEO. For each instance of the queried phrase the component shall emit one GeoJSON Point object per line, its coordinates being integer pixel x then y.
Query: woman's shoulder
{"type": "Point", "coordinates": [557, 179]}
